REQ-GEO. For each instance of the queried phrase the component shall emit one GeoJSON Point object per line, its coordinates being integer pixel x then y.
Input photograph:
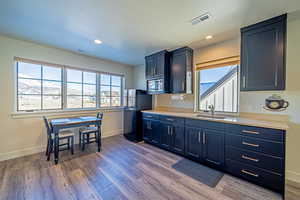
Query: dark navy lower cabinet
{"type": "Point", "coordinates": [165, 135]}
{"type": "Point", "coordinates": [213, 147]}
{"type": "Point", "coordinates": [193, 143]}
{"type": "Point", "coordinates": [252, 153]}
{"type": "Point", "coordinates": [150, 131]}
{"type": "Point", "coordinates": [177, 139]}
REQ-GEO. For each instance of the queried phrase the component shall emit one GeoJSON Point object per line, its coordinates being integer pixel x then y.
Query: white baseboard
{"type": "Point", "coordinates": [38, 149]}
{"type": "Point", "coordinates": [293, 176]}
{"type": "Point", "coordinates": [20, 153]}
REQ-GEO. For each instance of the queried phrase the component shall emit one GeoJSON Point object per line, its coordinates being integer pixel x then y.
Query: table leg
{"type": "Point", "coordinates": [56, 147]}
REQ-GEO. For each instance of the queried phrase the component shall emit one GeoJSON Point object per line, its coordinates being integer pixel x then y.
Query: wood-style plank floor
{"type": "Point", "coordinates": [123, 170]}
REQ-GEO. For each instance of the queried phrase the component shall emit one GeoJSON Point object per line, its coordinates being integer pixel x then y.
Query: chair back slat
{"type": "Point", "coordinates": [100, 116]}
{"type": "Point", "coordinates": [48, 126]}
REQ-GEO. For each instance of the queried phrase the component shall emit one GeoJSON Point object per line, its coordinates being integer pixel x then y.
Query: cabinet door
{"type": "Point", "coordinates": [160, 65]}
{"type": "Point", "coordinates": [155, 132]}
{"type": "Point", "coordinates": [177, 137]}
{"type": "Point", "coordinates": [213, 147]}
{"type": "Point", "coordinates": [150, 65]}
{"type": "Point", "coordinates": [178, 72]}
{"type": "Point", "coordinates": [165, 131]}
{"type": "Point", "coordinates": [193, 143]}
{"type": "Point", "coordinates": [263, 56]}
{"type": "Point", "coordinates": [147, 130]}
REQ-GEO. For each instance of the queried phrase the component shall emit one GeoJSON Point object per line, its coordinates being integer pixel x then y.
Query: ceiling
{"type": "Point", "coordinates": [131, 29]}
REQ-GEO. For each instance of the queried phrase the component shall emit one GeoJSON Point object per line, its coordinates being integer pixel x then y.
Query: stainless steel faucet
{"type": "Point", "coordinates": [211, 109]}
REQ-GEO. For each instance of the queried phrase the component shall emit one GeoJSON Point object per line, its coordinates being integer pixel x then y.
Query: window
{"type": "Point", "coordinates": [46, 87]}
{"type": "Point", "coordinates": [39, 87]}
{"type": "Point", "coordinates": [218, 86]}
{"type": "Point", "coordinates": [110, 90]}
{"type": "Point", "coordinates": [81, 89]}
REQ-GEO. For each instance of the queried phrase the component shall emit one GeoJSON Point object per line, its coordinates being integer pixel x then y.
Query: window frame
{"type": "Point", "coordinates": [197, 97]}
{"type": "Point", "coordinates": [64, 82]}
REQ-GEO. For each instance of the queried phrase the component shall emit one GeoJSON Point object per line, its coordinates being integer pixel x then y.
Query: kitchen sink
{"type": "Point", "coordinates": [210, 116]}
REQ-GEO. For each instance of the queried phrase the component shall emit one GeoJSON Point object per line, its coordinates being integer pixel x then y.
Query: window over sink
{"type": "Point", "coordinates": [218, 86]}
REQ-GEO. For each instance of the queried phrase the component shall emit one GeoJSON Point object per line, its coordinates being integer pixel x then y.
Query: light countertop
{"type": "Point", "coordinates": [227, 119]}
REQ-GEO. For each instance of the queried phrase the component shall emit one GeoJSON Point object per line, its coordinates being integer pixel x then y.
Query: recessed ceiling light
{"type": "Point", "coordinates": [97, 41]}
{"type": "Point", "coordinates": [208, 37]}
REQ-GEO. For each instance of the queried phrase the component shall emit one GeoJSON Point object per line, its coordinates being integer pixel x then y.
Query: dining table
{"type": "Point", "coordinates": [72, 122]}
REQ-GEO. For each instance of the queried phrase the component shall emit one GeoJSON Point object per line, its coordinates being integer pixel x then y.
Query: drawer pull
{"type": "Point", "coordinates": [249, 173]}
{"type": "Point", "coordinates": [248, 158]}
{"type": "Point", "coordinates": [250, 144]}
{"type": "Point", "coordinates": [148, 116]}
{"type": "Point", "coordinates": [251, 132]}
{"type": "Point", "coordinates": [169, 119]}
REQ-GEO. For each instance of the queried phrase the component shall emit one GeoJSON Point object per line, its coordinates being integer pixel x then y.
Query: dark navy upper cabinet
{"type": "Point", "coordinates": [213, 147]}
{"type": "Point", "coordinates": [181, 75]}
{"type": "Point", "coordinates": [193, 143]}
{"type": "Point", "coordinates": [157, 65]}
{"type": "Point", "coordinates": [263, 47]}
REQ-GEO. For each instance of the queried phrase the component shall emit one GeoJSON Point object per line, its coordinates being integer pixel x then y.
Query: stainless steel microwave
{"type": "Point", "coordinates": [155, 86]}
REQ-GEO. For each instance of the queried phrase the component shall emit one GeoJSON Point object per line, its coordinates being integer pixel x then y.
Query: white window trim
{"type": "Point", "coordinates": [197, 97]}
{"type": "Point", "coordinates": [64, 91]}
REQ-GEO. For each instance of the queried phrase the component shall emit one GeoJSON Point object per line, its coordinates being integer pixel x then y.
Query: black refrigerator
{"type": "Point", "coordinates": [135, 101]}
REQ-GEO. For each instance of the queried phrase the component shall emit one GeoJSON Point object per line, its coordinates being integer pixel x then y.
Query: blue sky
{"type": "Point", "coordinates": [213, 75]}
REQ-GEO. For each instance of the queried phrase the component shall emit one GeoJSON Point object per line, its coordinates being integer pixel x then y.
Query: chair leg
{"type": "Point", "coordinates": [99, 140]}
{"type": "Point", "coordinates": [79, 138]}
{"type": "Point", "coordinates": [83, 142]}
{"type": "Point", "coordinates": [50, 149]}
{"type": "Point", "coordinates": [47, 148]}
{"type": "Point", "coordinates": [72, 145]}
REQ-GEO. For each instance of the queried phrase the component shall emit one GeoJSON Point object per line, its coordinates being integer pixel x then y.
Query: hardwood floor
{"type": "Point", "coordinates": [123, 170]}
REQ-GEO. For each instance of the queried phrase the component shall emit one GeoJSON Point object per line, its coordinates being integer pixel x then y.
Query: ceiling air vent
{"type": "Point", "coordinates": [200, 18]}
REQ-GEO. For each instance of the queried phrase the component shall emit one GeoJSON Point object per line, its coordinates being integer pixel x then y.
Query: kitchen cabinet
{"type": "Point", "coordinates": [263, 47]}
{"type": "Point", "coordinates": [165, 135]}
{"type": "Point", "coordinates": [157, 65]}
{"type": "Point", "coordinates": [213, 147]}
{"type": "Point", "coordinates": [253, 153]}
{"type": "Point", "coordinates": [151, 129]}
{"type": "Point", "coordinates": [193, 143]}
{"type": "Point", "coordinates": [181, 75]}
{"type": "Point", "coordinates": [172, 137]}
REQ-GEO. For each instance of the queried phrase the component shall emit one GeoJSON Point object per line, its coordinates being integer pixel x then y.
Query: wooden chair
{"type": "Point", "coordinates": [90, 134]}
{"type": "Point", "coordinates": [63, 135]}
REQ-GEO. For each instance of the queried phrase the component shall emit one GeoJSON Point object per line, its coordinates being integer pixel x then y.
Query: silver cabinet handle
{"type": "Point", "coordinates": [251, 132]}
{"type": "Point", "coordinates": [244, 81]}
{"type": "Point", "coordinates": [168, 130]}
{"type": "Point", "coordinates": [249, 173]}
{"type": "Point", "coordinates": [250, 144]}
{"type": "Point", "coordinates": [171, 130]}
{"type": "Point", "coordinates": [199, 137]}
{"type": "Point", "coordinates": [170, 119]}
{"type": "Point", "coordinates": [248, 158]}
{"type": "Point", "coordinates": [204, 138]}
{"type": "Point", "coordinates": [182, 85]}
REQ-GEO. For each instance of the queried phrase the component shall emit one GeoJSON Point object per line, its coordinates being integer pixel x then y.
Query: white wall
{"type": "Point", "coordinates": [139, 77]}
{"type": "Point", "coordinates": [26, 135]}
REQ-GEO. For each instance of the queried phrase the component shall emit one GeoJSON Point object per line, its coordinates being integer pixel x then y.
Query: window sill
{"type": "Point", "coordinates": [38, 114]}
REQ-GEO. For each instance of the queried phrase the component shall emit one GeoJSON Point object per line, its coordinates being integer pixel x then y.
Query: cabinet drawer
{"type": "Point", "coordinates": [253, 144]}
{"type": "Point", "coordinates": [263, 161]}
{"type": "Point", "coordinates": [198, 123]}
{"type": "Point", "coordinates": [173, 120]}
{"type": "Point", "coordinates": [150, 116]}
{"type": "Point", "coordinates": [257, 132]}
{"type": "Point", "coordinates": [256, 175]}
